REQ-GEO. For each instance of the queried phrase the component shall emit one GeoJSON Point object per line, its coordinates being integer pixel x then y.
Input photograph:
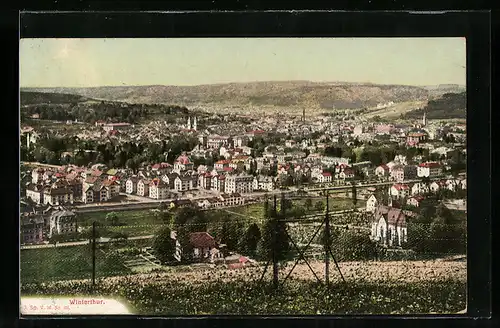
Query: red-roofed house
{"type": "Point", "coordinates": [413, 139]}
{"type": "Point", "coordinates": [228, 169]}
{"type": "Point", "coordinates": [415, 200]}
{"type": "Point", "coordinates": [220, 165]}
{"type": "Point", "coordinates": [382, 171]}
{"type": "Point", "coordinates": [203, 245]}
{"type": "Point", "coordinates": [435, 186]}
{"type": "Point", "coordinates": [429, 169]}
{"type": "Point", "coordinates": [325, 177]}
{"type": "Point", "coordinates": [346, 173]}
{"type": "Point", "coordinates": [399, 190]}
{"type": "Point", "coordinates": [183, 163]}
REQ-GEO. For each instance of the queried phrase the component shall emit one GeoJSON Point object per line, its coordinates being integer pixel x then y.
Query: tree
{"type": "Point", "coordinates": [112, 219]}
{"type": "Point", "coordinates": [319, 206]}
{"type": "Point", "coordinates": [349, 245]}
{"type": "Point", "coordinates": [308, 204]}
{"type": "Point", "coordinates": [354, 195]}
{"type": "Point", "coordinates": [164, 245]}
{"type": "Point", "coordinates": [274, 239]}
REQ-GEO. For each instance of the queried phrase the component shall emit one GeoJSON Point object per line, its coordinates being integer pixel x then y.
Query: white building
{"type": "Point", "coordinates": [263, 183]}
{"type": "Point", "coordinates": [158, 189]}
{"type": "Point", "coordinates": [419, 188]}
{"type": "Point", "coordinates": [429, 169]}
{"type": "Point", "coordinates": [241, 184]}
{"type": "Point", "coordinates": [131, 185]}
{"type": "Point", "coordinates": [399, 190]}
{"type": "Point", "coordinates": [62, 222]}
{"type": "Point", "coordinates": [371, 204]}
{"type": "Point", "coordinates": [382, 171]}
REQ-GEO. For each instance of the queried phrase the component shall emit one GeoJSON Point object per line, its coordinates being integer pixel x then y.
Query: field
{"type": "Point", "coordinates": [144, 222]}
{"type": "Point", "coordinates": [371, 288]}
{"type": "Point", "coordinates": [73, 262]}
{"type": "Point", "coordinates": [133, 223]}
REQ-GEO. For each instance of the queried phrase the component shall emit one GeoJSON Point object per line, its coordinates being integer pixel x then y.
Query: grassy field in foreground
{"type": "Point", "coordinates": [298, 297]}
{"type": "Point", "coordinates": [64, 263]}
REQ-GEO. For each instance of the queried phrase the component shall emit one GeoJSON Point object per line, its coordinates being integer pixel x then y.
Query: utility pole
{"type": "Point", "coordinates": [327, 242]}
{"type": "Point", "coordinates": [274, 244]}
{"type": "Point", "coordinates": [93, 252]}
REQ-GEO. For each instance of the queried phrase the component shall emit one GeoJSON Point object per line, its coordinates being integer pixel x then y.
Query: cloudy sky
{"type": "Point", "coordinates": [188, 61]}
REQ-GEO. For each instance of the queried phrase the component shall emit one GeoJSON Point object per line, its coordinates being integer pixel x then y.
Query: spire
{"type": "Point", "coordinates": [194, 124]}
{"type": "Point", "coordinates": [189, 123]}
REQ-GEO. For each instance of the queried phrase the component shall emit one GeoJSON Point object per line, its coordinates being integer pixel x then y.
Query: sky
{"type": "Point", "coordinates": [190, 61]}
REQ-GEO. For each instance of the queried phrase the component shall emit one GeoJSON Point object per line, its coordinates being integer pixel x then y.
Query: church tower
{"type": "Point", "coordinates": [195, 125]}
{"type": "Point", "coordinates": [189, 123]}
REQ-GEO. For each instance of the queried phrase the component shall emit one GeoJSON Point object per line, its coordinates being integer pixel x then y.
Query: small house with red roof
{"type": "Point", "coordinates": [204, 246]}
{"type": "Point", "coordinates": [399, 190]}
{"type": "Point", "coordinates": [429, 169]}
{"type": "Point", "coordinates": [415, 138]}
{"type": "Point", "coordinates": [415, 200]}
{"type": "Point", "coordinates": [435, 186]}
{"type": "Point", "coordinates": [325, 177]}
{"type": "Point", "coordinates": [220, 165]}
{"type": "Point", "coordinates": [346, 173]}
{"type": "Point", "coordinates": [183, 163]}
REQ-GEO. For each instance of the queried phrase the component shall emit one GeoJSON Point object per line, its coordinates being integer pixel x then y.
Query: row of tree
{"type": "Point", "coordinates": [49, 149]}
{"type": "Point", "coordinates": [105, 110]}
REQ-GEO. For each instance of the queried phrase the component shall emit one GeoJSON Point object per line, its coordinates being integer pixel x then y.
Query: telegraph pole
{"type": "Point", "coordinates": [274, 244]}
{"type": "Point", "coordinates": [327, 242]}
{"type": "Point", "coordinates": [93, 252]}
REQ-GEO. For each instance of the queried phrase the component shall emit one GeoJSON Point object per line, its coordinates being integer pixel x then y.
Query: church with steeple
{"type": "Point", "coordinates": [191, 125]}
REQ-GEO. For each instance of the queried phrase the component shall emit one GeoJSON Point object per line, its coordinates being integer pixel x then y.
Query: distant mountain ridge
{"type": "Point", "coordinates": [321, 95]}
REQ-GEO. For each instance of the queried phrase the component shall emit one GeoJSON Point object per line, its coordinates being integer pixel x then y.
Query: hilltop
{"type": "Point", "coordinates": [449, 105]}
{"type": "Point", "coordinates": [37, 98]}
{"type": "Point", "coordinates": [314, 95]}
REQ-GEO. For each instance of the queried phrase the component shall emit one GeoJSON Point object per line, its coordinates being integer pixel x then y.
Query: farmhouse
{"type": "Point", "coordinates": [204, 246]}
